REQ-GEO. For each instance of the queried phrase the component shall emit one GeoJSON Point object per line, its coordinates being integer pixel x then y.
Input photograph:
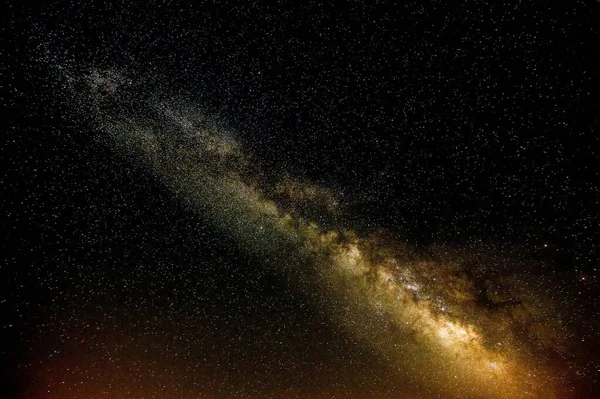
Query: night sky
{"type": "Point", "coordinates": [300, 199]}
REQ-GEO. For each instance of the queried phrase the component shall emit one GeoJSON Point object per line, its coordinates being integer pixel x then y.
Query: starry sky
{"type": "Point", "coordinates": [251, 199]}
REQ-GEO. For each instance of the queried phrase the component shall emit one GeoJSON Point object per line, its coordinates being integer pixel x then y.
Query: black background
{"type": "Point", "coordinates": [445, 122]}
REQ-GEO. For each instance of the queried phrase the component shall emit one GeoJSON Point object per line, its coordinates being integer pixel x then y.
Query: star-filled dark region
{"type": "Point", "coordinates": [251, 199]}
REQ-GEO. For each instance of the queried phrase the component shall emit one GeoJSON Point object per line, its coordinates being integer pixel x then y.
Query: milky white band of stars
{"type": "Point", "coordinates": [418, 312]}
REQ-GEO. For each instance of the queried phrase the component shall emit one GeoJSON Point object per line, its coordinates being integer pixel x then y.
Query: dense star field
{"type": "Point", "coordinates": [303, 200]}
